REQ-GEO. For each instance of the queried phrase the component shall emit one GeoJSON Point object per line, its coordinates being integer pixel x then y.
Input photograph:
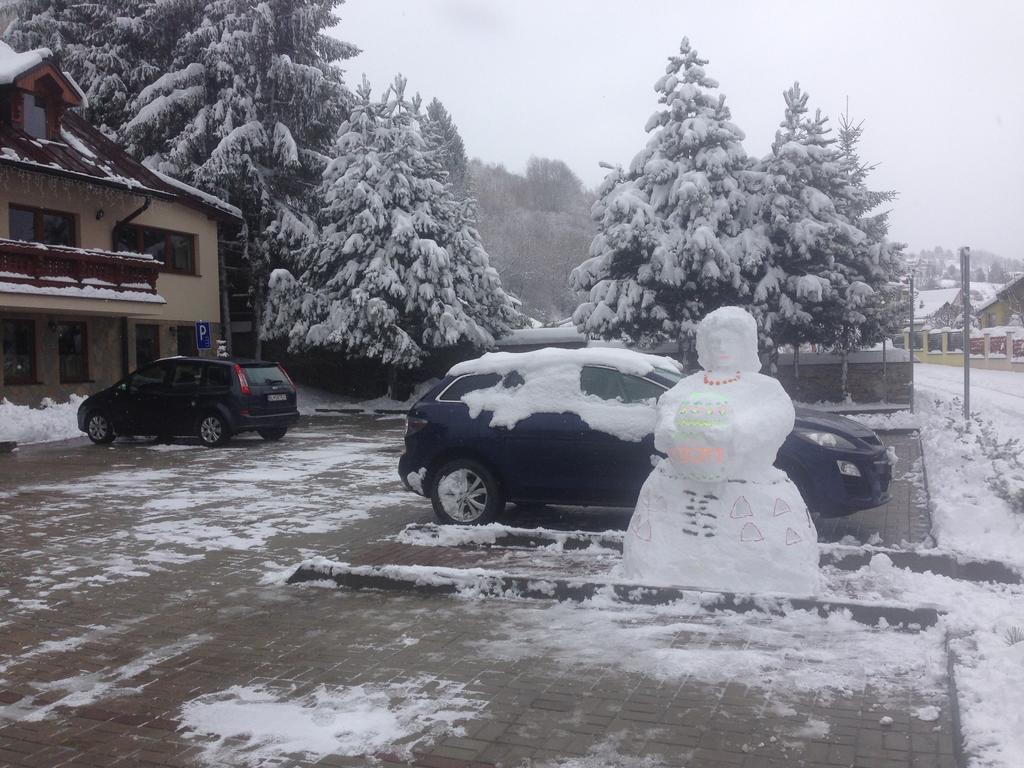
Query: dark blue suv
{"type": "Point", "coordinates": [470, 466]}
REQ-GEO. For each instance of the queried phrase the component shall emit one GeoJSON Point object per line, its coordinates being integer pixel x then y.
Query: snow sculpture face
{"type": "Point", "coordinates": [727, 341]}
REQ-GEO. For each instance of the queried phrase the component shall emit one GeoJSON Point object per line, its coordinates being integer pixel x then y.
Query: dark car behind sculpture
{"type": "Point", "coordinates": [839, 465]}
{"type": "Point", "coordinates": [211, 399]}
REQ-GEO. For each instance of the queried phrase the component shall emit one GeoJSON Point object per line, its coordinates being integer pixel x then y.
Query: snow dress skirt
{"type": "Point", "coordinates": [716, 514]}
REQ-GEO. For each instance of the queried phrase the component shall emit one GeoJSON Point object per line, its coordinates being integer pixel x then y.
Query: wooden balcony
{"type": "Point", "coordinates": [55, 266]}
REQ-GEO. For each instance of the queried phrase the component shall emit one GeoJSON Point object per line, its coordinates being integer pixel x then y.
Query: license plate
{"type": "Point", "coordinates": [276, 398]}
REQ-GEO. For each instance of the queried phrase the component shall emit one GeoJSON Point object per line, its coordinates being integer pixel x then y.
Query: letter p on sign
{"type": "Point", "coordinates": [204, 339]}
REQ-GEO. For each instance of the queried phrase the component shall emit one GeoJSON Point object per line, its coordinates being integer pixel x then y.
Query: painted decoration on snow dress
{"type": "Point", "coordinates": [715, 513]}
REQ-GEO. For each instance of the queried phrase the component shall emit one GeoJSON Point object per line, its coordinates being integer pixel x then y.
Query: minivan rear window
{"type": "Point", "coordinates": [264, 374]}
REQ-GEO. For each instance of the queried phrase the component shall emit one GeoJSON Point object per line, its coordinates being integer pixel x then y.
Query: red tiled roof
{"type": "Point", "coordinates": [84, 153]}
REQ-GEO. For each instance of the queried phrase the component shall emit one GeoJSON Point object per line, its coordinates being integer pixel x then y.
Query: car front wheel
{"type": "Point", "coordinates": [466, 493]}
{"type": "Point", "coordinates": [99, 429]}
{"type": "Point", "coordinates": [213, 430]}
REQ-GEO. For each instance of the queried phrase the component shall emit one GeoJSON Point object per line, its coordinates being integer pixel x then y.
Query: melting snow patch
{"type": "Point", "coordinates": [927, 714]}
{"type": "Point", "coordinates": [605, 754]}
{"type": "Point", "coordinates": [252, 725]}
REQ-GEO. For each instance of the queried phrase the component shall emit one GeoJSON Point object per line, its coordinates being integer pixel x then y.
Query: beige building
{"type": "Point", "coordinates": [104, 264]}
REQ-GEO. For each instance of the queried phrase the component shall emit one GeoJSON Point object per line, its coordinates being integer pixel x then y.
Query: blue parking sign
{"type": "Point", "coordinates": [204, 339]}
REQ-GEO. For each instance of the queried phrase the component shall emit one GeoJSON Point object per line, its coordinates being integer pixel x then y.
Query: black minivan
{"type": "Point", "coordinates": [208, 398]}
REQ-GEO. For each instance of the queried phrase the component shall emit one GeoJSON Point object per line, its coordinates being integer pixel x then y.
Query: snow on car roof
{"type": "Point", "coordinates": [524, 363]}
{"type": "Point", "coordinates": [551, 384]}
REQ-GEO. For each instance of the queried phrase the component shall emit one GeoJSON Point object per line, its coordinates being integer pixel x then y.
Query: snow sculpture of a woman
{"type": "Point", "coordinates": [715, 514]}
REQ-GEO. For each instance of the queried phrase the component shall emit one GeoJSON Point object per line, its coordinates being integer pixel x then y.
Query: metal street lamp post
{"type": "Point", "coordinates": [965, 302]}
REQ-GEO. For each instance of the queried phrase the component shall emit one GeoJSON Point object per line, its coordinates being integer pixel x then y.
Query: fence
{"type": "Point", "coordinates": [997, 349]}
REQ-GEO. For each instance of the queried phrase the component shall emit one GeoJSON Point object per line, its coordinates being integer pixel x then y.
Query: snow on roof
{"type": "Point", "coordinates": [999, 292]}
{"type": "Point", "coordinates": [86, 154]}
{"type": "Point", "coordinates": [930, 302]}
{"type": "Point", "coordinates": [204, 196]}
{"type": "Point", "coordinates": [13, 65]}
{"type": "Point", "coordinates": [83, 292]}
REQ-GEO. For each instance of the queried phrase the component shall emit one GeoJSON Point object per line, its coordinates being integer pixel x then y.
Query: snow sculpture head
{"type": "Point", "coordinates": [727, 341]}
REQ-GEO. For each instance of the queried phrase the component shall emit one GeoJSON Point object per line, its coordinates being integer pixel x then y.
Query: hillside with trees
{"type": "Point", "coordinates": [537, 228]}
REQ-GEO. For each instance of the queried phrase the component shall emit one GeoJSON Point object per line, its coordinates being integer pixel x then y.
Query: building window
{"type": "Point", "coordinates": [175, 250]}
{"type": "Point", "coordinates": [41, 226]}
{"type": "Point", "coordinates": [147, 344]}
{"type": "Point", "coordinates": [35, 118]}
{"type": "Point", "coordinates": [71, 349]}
{"type": "Point", "coordinates": [19, 347]}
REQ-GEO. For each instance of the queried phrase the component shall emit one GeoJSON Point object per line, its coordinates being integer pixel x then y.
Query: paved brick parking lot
{"type": "Point", "coordinates": [141, 579]}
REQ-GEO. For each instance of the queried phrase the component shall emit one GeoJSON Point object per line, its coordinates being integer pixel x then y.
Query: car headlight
{"type": "Point", "coordinates": [826, 439]}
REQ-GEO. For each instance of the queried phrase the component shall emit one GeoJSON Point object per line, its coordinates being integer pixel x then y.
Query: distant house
{"type": "Point", "coordinates": [104, 264]}
{"type": "Point", "coordinates": [1001, 309]}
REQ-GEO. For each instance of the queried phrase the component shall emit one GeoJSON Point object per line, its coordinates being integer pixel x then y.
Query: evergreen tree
{"type": "Point", "coordinates": [247, 111]}
{"type": "Point", "coordinates": [676, 234]}
{"type": "Point", "coordinates": [872, 268]}
{"type": "Point", "coordinates": [397, 271]}
{"type": "Point", "coordinates": [804, 285]}
{"type": "Point", "coordinates": [443, 136]}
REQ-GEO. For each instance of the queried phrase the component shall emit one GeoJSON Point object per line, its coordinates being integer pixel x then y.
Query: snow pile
{"type": "Point", "coordinates": [990, 681]}
{"type": "Point", "coordinates": [255, 726]}
{"type": "Point", "coordinates": [549, 382]}
{"type": "Point", "coordinates": [51, 421]}
{"type": "Point", "coordinates": [967, 513]}
{"type": "Point", "coordinates": [884, 421]}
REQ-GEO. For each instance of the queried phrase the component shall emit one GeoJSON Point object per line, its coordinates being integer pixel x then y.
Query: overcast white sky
{"type": "Point", "coordinates": [938, 84]}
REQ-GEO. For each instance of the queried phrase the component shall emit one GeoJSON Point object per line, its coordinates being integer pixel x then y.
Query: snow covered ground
{"type": "Point", "coordinates": [987, 627]}
{"type": "Point", "coordinates": [968, 515]}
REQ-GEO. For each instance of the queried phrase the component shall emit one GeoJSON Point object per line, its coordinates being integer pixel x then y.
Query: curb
{"type": "Point", "coordinates": [930, 535]}
{"type": "Point", "coordinates": [959, 753]}
{"type": "Point", "coordinates": [495, 584]}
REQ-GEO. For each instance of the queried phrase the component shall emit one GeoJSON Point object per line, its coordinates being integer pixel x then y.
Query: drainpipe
{"type": "Point", "coordinates": [127, 220]}
{"type": "Point", "coordinates": [124, 347]}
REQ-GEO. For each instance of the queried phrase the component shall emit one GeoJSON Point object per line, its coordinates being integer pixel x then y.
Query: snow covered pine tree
{"type": "Point", "coordinates": [805, 286]}
{"type": "Point", "coordinates": [442, 135]}
{"type": "Point", "coordinates": [676, 234]}
{"type": "Point", "coordinates": [877, 262]}
{"type": "Point", "coordinates": [397, 271]}
{"type": "Point", "coordinates": [247, 111]}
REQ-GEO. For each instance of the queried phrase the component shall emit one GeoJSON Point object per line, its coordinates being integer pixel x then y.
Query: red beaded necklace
{"type": "Point", "coordinates": [721, 381]}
